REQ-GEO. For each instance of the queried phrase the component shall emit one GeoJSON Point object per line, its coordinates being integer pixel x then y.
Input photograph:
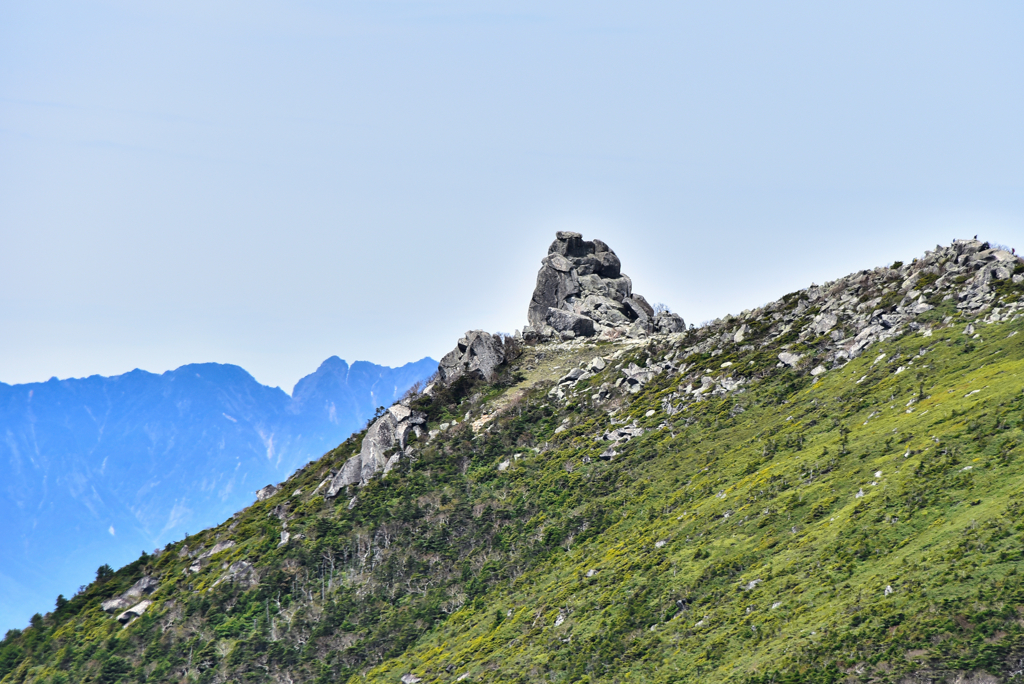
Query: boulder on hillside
{"type": "Point", "coordinates": [383, 444]}
{"type": "Point", "coordinates": [133, 612]}
{"type": "Point", "coordinates": [668, 322]}
{"type": "Point", "coordinates": [115, 604]}
{"type": "Point", "coordinates": [477, 354]}
{"type": "Point", "coordinates": [146, 585]}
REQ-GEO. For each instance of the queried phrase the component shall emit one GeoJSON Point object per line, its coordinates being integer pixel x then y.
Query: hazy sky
{"type": "Point", "coordinates": [271, 183]}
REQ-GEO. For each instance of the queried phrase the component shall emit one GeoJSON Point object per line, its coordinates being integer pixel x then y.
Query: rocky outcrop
{"type": "Point", "coordinates": [667, 323]}
{"type": "Point", "coordinates": [382, 447]}
{"type": "Point", "coordinates": [241, 572]}
{"type": "Point", "coordinates": [115, 604]}
{"type": "Point", "coordinates": [477, 354]}
{"type": "Point", "coordinates": [266, 492]}
{"type": "Point", "coordinates": [217, 548]}
{"type": "Point", "coordinates": [581, 292]}
{"type": "Point", "coordinates": [144, 587]}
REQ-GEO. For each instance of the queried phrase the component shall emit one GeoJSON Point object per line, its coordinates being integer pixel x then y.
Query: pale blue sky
{"type": "Point", "coordinates": [270, 183]}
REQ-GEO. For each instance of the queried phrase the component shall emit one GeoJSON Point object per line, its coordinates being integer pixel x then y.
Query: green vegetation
{"type": "Point", "coordinates": [858, 526]}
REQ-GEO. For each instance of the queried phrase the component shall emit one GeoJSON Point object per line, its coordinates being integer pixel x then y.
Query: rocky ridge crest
{"type": "Point", "coordinates": [823, 327]}
{"type": "Point", "coordinates": [582, 297]}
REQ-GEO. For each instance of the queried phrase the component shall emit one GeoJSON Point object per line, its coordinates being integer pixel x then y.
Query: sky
{"type": "Point", "coordinates": [272, 183]}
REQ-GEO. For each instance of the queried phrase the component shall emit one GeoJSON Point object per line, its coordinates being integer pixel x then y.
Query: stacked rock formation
{"type": "Point", "coordinates": [582, 292]}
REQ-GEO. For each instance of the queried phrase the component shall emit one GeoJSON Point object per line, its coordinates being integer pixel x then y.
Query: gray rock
{"type": "Point", "coordinates": [392, 462]}
{"type": "Point", "coordinates": [823, 323]}
{"type": "Point", "coordinates": [639, 329]}
{"type": "Point", "coordinates": [217, 548]}
{"type": "Point", "coordinates": [637, 310]}
{"type": "Point", "coordinates": [636, 376]}
{"type": "Point", "coordinates": [891, 320]}
{"type": "Point", "coordinates": [585, 280]}
{"type": "Point", "coordinates": [921, 307]}
{"type": "Point", "coordinates": [266, 493]}
{"type": "Point", "coordinates": [731, 384]}
{"type": "Point", "coordinates": [572, 376]}
{"type": "Point", "coordinates": [616, 289]}
{"type": "Point", "coordinates": [146, 585]}
{"type": "Point", "coordinates": [603, 310]}
{"type": "Point", "coordinates": [115, 604]}
{"type": "Point", "coordinates": [133, 612]}
{"type": "Point", "coordinates": [789, 359]}
{"type": "Point", "coordinates": [667, 323]}
{"type": "Point", "coordinates": [567, 321]}
{"type": "Point", "coordinates": [645, 308]}
{"type": "Point", "coordinates": [625, 433]}
{"type": "Point", "coordinates": [377, 453]}
{"type": "Point", "coordinates": [554, 288]}
{"type": "Point", "coordinates": [477, 354]}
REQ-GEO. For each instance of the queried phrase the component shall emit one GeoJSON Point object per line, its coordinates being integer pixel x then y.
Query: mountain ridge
{"type": "Point", "coordinates": [823, 489]}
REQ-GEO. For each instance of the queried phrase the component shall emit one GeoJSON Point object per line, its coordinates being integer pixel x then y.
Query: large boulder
{"type": "Point", "coordinates": [133, 612]}
{"type": "Point", "coordinates": [146, 585]}
{"type": "Point", "coordinates": [567, 321]}
{"type": "Point", "coordinates": [667, 322]}
{"type": "Point", "coordinates": [383, 443]}
{"type": "Point", "coordinates": [581, 290]}
{"type": "Point", "coordinates": [477, 354]}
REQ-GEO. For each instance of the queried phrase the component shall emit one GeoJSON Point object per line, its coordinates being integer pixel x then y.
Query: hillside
{"type": "Point", "coordinates": [95, 469]}
{"type": "Point", "coordinates": [824, 489]}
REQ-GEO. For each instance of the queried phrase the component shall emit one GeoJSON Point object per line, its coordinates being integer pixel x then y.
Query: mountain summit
{"type": "Point", "coordinates": [824, 489]}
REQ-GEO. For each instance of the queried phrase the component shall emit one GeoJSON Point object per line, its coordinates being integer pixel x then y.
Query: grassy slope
{"type": "Point", "coordinates": [449, 567]}
{"type": "Point", "coordinates": [940, 526]}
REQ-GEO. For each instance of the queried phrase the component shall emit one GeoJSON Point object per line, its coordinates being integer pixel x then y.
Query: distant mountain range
{"type": "Point", "coordinates": [95, 470]}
